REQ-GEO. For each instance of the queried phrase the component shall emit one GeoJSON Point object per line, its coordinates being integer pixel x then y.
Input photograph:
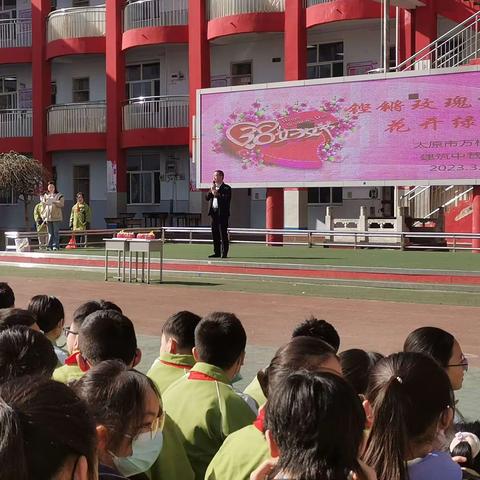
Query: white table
{"type": "Point", "coordinates": [120, 246]}
{"type": "Point", "coordinates": [145, 247]}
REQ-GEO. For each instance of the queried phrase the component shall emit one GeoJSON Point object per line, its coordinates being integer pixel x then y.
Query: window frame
{"type": "Point", "coordinates": [153, 82]}
{"type": "Point", "coordinates": [78, 91]}
{"type": "Point", "coordinates": [331, 196]}
{"type": "Point", "coordinates": [76, 179]}
{"type": "Point", "coordinates": [318, 64]}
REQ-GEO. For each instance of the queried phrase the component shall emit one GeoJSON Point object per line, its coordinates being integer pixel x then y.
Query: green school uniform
{"type": "Point", "coordinates": [67, 374]}
{"type": "Point", "coordinates": [255, 391]}
{"type": "Point", "coordinates": [173, 461]}
{"type": "Point", "coordinates": [38, 217]}
{"type": "Point", "coordinates": [168, 368]}
{"type": "Point", "coordinates": [241, 453]}
{"type": "Point", "coordinates": [206, 409]}
{"type": "Point", "coordinates": [80, 217]}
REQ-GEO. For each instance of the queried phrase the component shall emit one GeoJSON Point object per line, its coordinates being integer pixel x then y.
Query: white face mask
{"type": "Point", "coordinates": [145, 453]}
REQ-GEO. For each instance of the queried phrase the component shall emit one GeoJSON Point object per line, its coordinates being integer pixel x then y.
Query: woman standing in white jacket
{"type": "Point", "coordinates": [53, 215]}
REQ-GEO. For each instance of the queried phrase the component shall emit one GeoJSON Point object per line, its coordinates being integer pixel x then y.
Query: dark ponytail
{"type": "Point", "coordinates": [13, 462]}
{"type": "Point", "coordinates": [407, 392]}
{"type": "Point", "coordinates": [42, 425]}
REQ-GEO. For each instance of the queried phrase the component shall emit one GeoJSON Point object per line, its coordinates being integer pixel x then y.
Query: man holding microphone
{"type": "Point", "coordinates": [219, 197]}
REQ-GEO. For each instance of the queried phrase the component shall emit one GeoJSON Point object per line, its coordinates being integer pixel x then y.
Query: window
{"type": "Point", "coordinates": [81, 90]}
{"type": "Point", "coordinates": [8, 92]}
{"type": "Point", "coordinates": [325, 195]}
{"type": "Point", "coordinates": [241, 73]}
{"type": "Point", "coordinates": [53, 93]}
{"type": "Point", "coordinates": [325, 60]}
{"type": "Point", "coordinates": [8, 9]}
{"type": "Point", "coordinates": [81, 180]}
{"type": "Point", "coordinates": [7, 197]}
{"type": "Point", "coordinates": [81, 3]}
{"type": "Point", "coordinates": [143, 178]}
{"type": "Point", "coordinates": [143, 80]}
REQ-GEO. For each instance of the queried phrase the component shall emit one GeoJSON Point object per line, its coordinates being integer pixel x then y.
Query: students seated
{"type": "Point", "coordinates": [24, 351]}
{"type": "Point", "coordinates": [203, 403]}
{"type": "Point", "coordinates": [314, 427]}
{"type": "Point", "coordinates": [46, 432]}
{"type": "Point", "coordinates": [244, 450]}
{"type": "Point", "coordinates": [311, 327]}
{"type": "Point", "coordinates": [409, 402]}
{"type": "Point", "coordinates": [71, 370]}
{"type": "Point", "coordinates": [357, 366]}
{"type": "Point", "coordinates": [7, 297]}
{"type": "Point", "coordinates": [10, 317]}
{"type": "Point", "coordinates": [177, 342]}
{"type": "Point", "coordinates": [50, 318]}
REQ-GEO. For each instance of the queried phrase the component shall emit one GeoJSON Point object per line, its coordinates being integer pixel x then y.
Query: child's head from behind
{"type": "Point", "coordinates": [220, 340]}
{"type": "Point", "coordinates": [314, 424]}
{"type": "Point", "coordinates": [10, 317]}
{"type": "Point", "coordinates": [409, 400]}
{"type": "Point", "coordinates": [50, 314]}
{"type": "Point", "coordinates": [107, 335]}
{"type": "Point", "coordinates": [178, 333]}
{"type": "Point", "coordinates": [7, 297]}
{"type": "Point", "coordinates": [301, 353]}
{"type": "Point", "coordinates": [24, 351]}
{"type": "Point", "coordinates": [314, 327]}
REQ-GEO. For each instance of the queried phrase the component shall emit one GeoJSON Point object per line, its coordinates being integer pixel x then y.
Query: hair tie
{"type": "Point", "coordinates": [399, 380]}
{"type": "Point", "coordinates": [469, 438]}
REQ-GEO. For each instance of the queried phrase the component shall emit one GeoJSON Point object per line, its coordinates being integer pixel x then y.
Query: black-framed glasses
{"type": "Point", "coordinates": [463, 363]}
{"type": "Point", "coordinates": [67, 331]}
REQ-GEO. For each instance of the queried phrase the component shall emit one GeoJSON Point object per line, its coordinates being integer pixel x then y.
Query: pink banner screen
{"type": "Point", "coordinates": [406, 130]}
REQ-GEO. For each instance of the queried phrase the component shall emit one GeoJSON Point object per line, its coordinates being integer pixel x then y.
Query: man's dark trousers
{"type": "Point", "coordinates": [219, 234]}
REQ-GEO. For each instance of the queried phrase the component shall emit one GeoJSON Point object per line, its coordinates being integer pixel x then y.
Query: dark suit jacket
{"type": "Point", "coordinates": [224, 196]}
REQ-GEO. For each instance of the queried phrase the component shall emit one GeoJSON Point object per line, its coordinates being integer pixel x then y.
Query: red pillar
{"type": "Point", "coordinates": [115, 83]}
{"type": "Point", "coordinates": [476, 216]}
{"type": "Point", "coordinates": [295, 53]}
{"type": "Point", "coordinates": [425, 25]}
{"type": "Point", "coordinates": [41, 81]}
{"type": "Point", "coordinates": [198, 53]}
{"type": "Point", "coordinates": [407, 35]}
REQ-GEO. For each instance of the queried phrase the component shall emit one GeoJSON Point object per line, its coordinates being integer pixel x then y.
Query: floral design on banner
{"type": "Point", "coordinates": [292, 136]}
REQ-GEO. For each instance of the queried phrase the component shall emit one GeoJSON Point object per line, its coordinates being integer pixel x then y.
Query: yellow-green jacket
{"type": "Point", "coordinates": [80, 217]}
{"type": "Point", "coordinates": [168, 368]}
{"type": "Point", "coordinates": [38, 217]}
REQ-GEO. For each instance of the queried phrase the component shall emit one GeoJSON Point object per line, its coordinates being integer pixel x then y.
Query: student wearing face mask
{"type": "Point", "coordinates": [129, 418]}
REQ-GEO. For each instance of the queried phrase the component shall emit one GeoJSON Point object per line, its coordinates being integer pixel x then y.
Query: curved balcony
{"type": "Point", "coordinates": [327, 11]}
{"type": "Point", "coordinates": [16, 130]}
{"type": "Point", "coordinates": [233, 17]}
{"type": "Point", "coordinates": [15, 40]}
{"type": "Point", "coordinates": [152, 22]}
{"type": "Point", "coordinates": [155, 121]}
{"type": "Point", "coordinates": [77, 126]}
{"type": "Point", "coordinates": [73, 31]}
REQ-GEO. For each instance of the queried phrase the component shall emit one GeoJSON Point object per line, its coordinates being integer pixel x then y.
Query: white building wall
{"type": "Point", "coordinates": [65, 69]}
{"type": "Point", "coordinates": [97, 160]}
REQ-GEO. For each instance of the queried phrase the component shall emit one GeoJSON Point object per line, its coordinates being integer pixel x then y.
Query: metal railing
{"type": "Point", "coordinates": [155, 112]}
{"type": "Point", "coordinates": [311, 3]}
{"type": "Point", "coordinates": [225, 8]}
{"type": "Point", "coordinates": [77, 118]}
{"type": "Point", "coordinates": [155, 13]}
{"type": "Point", "coordinates": [16, 123]}
{"type": "Point", "coordinates": [76, 22]}
{"type": "Point", "coordinates": [250, 236]}
{"type": "Point", "coordinates": [15, 32]}
{"type": "Point", "coordinates": [456, 47]}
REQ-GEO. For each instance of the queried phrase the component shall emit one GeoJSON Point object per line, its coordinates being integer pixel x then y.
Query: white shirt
{"type": "Point", "coordinates": [215, 199]}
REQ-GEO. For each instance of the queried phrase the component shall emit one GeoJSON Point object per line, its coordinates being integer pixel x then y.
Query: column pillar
{"type": "Point", "coordinates": [407, 37]}
{"type": "Point", "coordinates": [115, 82]}
{"type": "Point", "coordinates": [41, 82]}
{"type": "Point", "coordinates": [476, 216]}
{"type": "Point", "coordinates": [425, 25]}
{"type": "Point", "coordinates": [295, 53]}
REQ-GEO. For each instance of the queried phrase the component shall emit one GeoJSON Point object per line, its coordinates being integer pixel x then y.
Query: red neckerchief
{"type": "Point", "coordinates": [176, 365]}
{"type": "Point", "coordinates": [72, 359]}
{"type": "Point", "coordinates": [259, 423]}
{"type": "Point", "coordinates": [200, 376]}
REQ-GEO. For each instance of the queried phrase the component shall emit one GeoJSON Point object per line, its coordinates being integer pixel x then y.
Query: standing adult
{"type": "Point", "coordinates": [80, 218]}
{"type": "Point", "coordinates": [219, 197]}
{"type": "Point", "coordinates": [53, 215]}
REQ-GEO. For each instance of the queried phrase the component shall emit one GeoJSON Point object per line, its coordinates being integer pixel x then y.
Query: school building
{"type": "Point", "coordinates": [103, 93]}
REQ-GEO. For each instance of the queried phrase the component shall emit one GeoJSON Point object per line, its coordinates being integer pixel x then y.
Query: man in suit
{"type": "Point", "coordinates": [219, 197]}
